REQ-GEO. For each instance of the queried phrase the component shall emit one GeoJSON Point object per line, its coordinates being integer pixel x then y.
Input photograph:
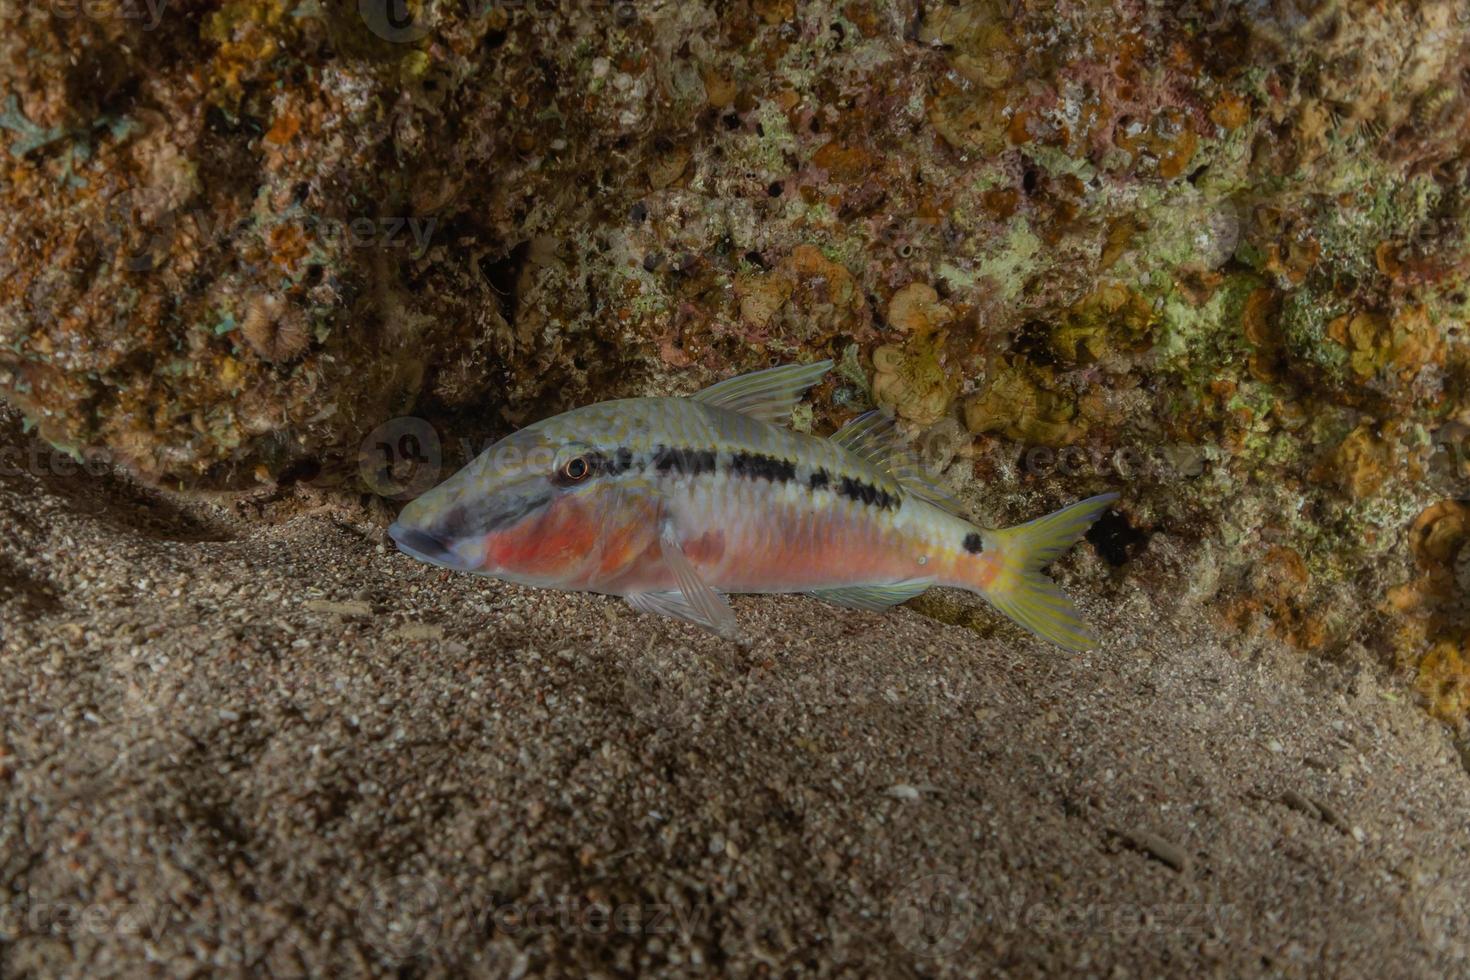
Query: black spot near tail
{"type": "Point", "coordinates": [973, 544]}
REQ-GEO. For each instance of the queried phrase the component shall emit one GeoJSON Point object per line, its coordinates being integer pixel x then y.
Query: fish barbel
{"type": "Point", "coordinates": [675, 502]}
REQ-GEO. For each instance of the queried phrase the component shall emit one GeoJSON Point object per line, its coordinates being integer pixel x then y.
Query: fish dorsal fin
{"type": "Point", "coordinates": [873, 437]}
{"type": "Point", "coordinates": [767, 395]}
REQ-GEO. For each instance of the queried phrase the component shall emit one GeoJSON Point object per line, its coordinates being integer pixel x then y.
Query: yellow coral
{"type": "Point", "coordinates": [1021, 407]}
{"type": "Point", "coordinates": [980, 49]}
{"type": "Point", "coordinates": [1230, 112]}
{"type": "Point", "coordinates": [808, 264]}
{"type": "Point", "coordinates": [1438, 533]}
{"type": "Point", "coordinates": [970, 120]}
{"type": "Point", "coordinates": [1364, 462]}
{"type": "Point", "coordinates": [1444, 680]}
{"type": "Point", "coordinates": [247, 32]}
{"type": "Point", "coordinates": [761, 296]}
{"type": "Point", "coordinates": [911, 381]}
{"type": "Point", "coordinates": [1406, 343]}
{"type": "Point", "coordinates": [1414, 341]}
{"type": "Point", "coordinates": [910, 378]}
{"type": "Point", "coordinates": [824, 282]}
{"type": "Point", "coordinates": [1111, 317]}
{"type": "Point", "coordinates": [916, 309]}
{"type": "Point", "coordinates": [1365, 335]}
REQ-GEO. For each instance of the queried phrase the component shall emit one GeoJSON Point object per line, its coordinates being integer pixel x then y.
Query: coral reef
{"type": "Point", "coordinates": [1213, 251]}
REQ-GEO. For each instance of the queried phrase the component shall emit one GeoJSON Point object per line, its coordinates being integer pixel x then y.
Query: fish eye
{"type": "Point", "coordinates": [576, 469]}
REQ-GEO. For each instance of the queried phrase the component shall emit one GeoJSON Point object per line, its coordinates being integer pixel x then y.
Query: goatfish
{"type": "Point", "coordinates": [675, 503]}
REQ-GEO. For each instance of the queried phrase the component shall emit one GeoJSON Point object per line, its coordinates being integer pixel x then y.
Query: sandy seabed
{"type": "Point", "coordinates": [252, 737]}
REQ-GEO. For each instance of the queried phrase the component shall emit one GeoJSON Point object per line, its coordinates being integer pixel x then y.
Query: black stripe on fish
{"type": "Point", "coordinates": [690, 462]}
{"type": "Point", "coordinates": [613, 463]}
{"type": "Point", "coordinates": [758, 466]}
{"type": "Point", "coordinates": [973, 544]}
{"type": "Point", "coordinates": [485, 513]}
{"type": "Point", "coordinates": [867, 493]}
{"type": "Point", "coordinates": [820, 479]}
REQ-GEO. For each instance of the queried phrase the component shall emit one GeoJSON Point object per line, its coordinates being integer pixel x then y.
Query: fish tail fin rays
{"type": "Point", "coordinates": [1035, 602]}
{"type": "Point", "coordinates": [1023, 592]}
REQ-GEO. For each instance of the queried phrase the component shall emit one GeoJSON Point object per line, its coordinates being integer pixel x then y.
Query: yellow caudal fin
{"type": "Point", "coordinates": [1023, 593]}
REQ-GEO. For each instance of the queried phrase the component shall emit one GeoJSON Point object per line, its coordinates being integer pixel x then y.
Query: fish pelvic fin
{"type": "Point", "coordinates": [1023, 592]}
{"type": "Point", "coordinates": [694, 601]}
{"type": "Point", "coordinates": [677, 605]}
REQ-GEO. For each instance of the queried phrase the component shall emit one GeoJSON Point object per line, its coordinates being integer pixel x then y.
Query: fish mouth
{"type": "Point", "coordinates": [425, 547]}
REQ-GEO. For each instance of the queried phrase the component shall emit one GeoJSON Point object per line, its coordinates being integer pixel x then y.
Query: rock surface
{"type": "Point", "coordinates": [245, 735]}
{"type": "Point", "coordinates": [1210, 252]}
{"type": "Point", "coordinates": [307, 257]}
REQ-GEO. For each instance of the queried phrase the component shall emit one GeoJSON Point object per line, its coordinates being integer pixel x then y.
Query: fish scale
{"type": "Point", "coordinates": [674, 502]}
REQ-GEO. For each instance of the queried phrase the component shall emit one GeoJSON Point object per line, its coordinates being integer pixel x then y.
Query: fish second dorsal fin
{"type": "Point", "coordinates": [873, 437]}
{"type": "Point", "coordinates": [767, 395]}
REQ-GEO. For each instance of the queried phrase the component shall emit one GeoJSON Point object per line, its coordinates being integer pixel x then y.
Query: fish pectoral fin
{"type": "Point", "coordinates": [694, 601]}
{"type": "Point", "coordinates": [767, 395]}
{"type": "Point", "coordinates": [676, 605]}
{"type": "Point", "coordinates": [874, 598]}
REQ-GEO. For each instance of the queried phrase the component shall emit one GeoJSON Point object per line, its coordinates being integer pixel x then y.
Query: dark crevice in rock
{"type": "Point", "coordinates": [1116, 540]}
{"type": "Point", "coordinates": [504, 275]}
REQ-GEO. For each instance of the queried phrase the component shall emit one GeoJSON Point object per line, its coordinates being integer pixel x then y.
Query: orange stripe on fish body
{"type": "Point", "coordinates": [556, 542]}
